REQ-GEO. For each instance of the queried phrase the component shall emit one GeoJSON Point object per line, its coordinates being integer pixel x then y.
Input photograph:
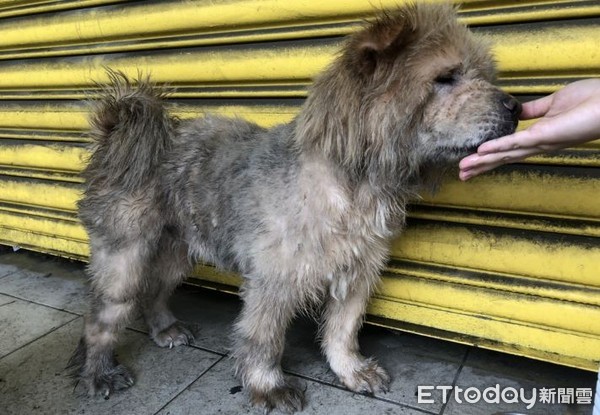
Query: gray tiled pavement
{"type": "Point", "coordinates": [42, 300]}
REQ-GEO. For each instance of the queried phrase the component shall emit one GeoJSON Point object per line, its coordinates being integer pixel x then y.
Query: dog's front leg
{"type": "Point", "coordinates": [342, 321]}
{"type": "Point", "coordinates": [259, 338]}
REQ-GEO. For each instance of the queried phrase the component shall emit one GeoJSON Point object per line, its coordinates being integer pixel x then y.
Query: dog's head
{"type": "Point", "coordinates": [413, 88]}
{"type": "Point", "coordinates": [420, 67]}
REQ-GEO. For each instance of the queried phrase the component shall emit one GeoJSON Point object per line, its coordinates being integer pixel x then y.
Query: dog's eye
{"type": "Point", "coordinates": [446, 79]}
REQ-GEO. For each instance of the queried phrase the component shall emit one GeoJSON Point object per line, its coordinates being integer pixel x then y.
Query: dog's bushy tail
{"type": "Point", "coordinates": [131, 130]}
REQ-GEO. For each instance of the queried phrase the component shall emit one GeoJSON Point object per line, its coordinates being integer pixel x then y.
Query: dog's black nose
{"type": "Point", "coordinates": [511, 104]}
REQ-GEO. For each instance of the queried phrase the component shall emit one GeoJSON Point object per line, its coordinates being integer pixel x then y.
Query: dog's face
{"type": "Point", "coordinates": [426, 71]}
{"type": "Point", "coordinates": [462, 108]}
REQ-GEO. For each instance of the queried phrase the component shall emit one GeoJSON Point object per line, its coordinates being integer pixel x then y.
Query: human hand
{"type": "Point", "coordinates": [569, 117]}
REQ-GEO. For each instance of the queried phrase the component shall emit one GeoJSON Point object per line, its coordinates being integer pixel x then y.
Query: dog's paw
{"type": "Point", "coordinates": [287, 399]}
{"type": "Point", "coordinates": [369, 378]}
{"type": "Point", "coordinates": [174, 335]}
{"type": "Point", "coordinates": [117, 378]}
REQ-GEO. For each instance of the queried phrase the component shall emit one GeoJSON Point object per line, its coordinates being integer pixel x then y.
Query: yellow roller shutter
{"type": "Point", "coordinates": [509, 261]}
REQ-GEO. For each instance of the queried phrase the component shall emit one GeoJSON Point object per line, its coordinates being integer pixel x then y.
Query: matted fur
{"type": "Point", "coordinates": [304, 211]}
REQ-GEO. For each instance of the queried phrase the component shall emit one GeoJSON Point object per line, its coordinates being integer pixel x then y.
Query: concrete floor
{"type": "Point", "coordinates": [42, 300]}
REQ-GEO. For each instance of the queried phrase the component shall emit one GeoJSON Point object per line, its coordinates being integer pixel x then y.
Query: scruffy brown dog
{"type": "Point", "coordinates": [304, 211]}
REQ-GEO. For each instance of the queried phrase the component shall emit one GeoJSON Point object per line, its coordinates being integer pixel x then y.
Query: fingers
{"type": "Point", "coordinates": [537, 108]}
{"type": "Point", "coordinates": [513, 141]}
{"type": "Point", "coordinates": [465, 175]}
{"type": "Point", "coordinates": [476, 164]}
{"type": "Point", "coordinates": [491, 154]}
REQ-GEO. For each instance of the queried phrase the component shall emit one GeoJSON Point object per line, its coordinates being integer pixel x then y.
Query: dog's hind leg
{"type": "Point", "coordinates": [342, 321]}
{"type": "Point", "coordinates": [116, 276]}
{"type": "Point", "coordinates": [171, 266]}
{"type": "Point", "coordinates": [259, 338]}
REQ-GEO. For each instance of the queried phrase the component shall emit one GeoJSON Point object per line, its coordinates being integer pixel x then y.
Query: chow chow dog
{"type": "Point", "coordinates": [304, 211]}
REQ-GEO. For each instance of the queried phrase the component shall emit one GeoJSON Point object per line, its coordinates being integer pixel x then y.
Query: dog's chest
{"type": "Point", "coordinates": [320, 235]}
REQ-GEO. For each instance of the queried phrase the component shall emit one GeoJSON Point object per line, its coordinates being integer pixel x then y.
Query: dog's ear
{"type": "Point", "coordinates": [382, 40]}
